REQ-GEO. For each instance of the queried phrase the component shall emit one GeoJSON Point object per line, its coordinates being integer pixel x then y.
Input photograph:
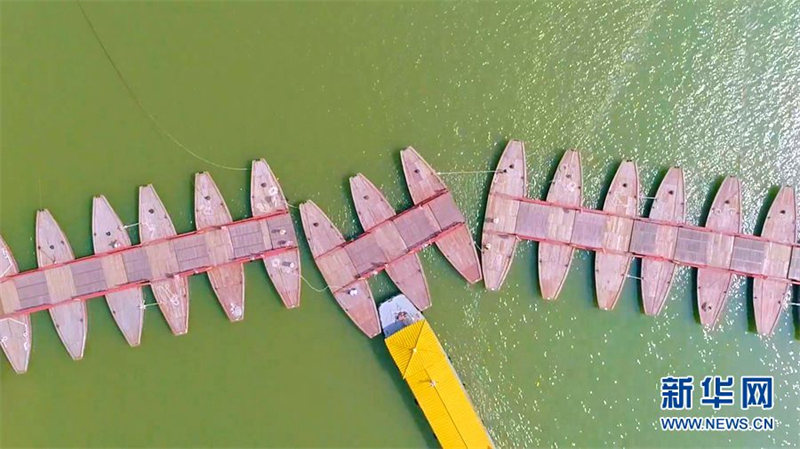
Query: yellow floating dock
{"type": "Point", "coordinates": [428, 372]}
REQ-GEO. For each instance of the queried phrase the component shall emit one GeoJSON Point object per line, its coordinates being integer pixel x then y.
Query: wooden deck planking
{"type": "Point", "coordinates": [108, 234]}
{"type": "Point", "coordinates": [498, 240]}
{"type": "Point", "coordinates": [794, 267]}
{"type": "Point", "coordinates": [769, 295]}
{"type": "Point", "coordinates": [70, 319]}
{"type": "Point", "coordinates": [227, 280]}
{"type": "Point", "coordinates": [566, 190]}
{"type": "Point", "coordinates": [266, 198]}
{"type": "Point", "coordinates": [714, 282]}
{"type": "Point", "coordinates": [375, 212]}
{"type": "Point", "coordinates": [15, 333]}
{"type": "Point", "coordinates": [456, 245]}
{"type": "Point", "coordinates": [669, 205]}
{"type": "Point", "coordinates": [610, 269]}
{"type": "Point", "coordinates": [416, 226]}
{"type": "Point", "coordinates": [171, 294]}
{"type": "Point", "coordinates": [325, 242]}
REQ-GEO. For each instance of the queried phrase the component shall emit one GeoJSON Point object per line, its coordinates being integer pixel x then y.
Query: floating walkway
{"type": "Point", "coordinates": [390, 242]}
{"type": "Point", "coordinates": [663, 240]}
{"type": "Point", "coordinates": [164, 260]}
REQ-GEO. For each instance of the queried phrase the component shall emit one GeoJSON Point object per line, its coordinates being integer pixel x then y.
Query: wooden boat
{"type": "Point", "coordinates": [668, 206]}
{"type": "Point", "coordinates": [565, 190]}
{"type": "Point", "coordinates": [172, 294]}
{"type": "Point", "coordinates": [352, 294]}
{"type": "Point", "coordinates": [424, 185]}
{"type": "Point", "coordinates": [266, 198]}
{"type": "Point", "coordinates": [713, 283]}
{"type": "Point", "coordinates": [498, 239]}
{"type": "Point", "coordinates": [70, 319]}
{"type": "Point", "coordinates": [611, 268]}
{"type": "Point", "coordinates": [108, 234]}
{"type": "Point", "coordinates": [210, 211]}
{"type": "Point", "coordinates": [404, 268]}
{"type": "Point", "coordinates": [15, 332]}
{"type": "Point", "coordinates": [770, 295]}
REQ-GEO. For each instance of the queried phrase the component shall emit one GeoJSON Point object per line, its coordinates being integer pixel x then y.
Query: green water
{"type": "Point", "coordinates": [325, 90]}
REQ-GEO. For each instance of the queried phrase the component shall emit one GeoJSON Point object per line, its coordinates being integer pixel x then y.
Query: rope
{"type": "Point", "coordinates": [472, 172]}
{"type": "Point", "coordinates": [139, 103]}
{"type": "Point", "coordinates": [311, 286]}
{"type": "Point", "coordinates": [130, 225]}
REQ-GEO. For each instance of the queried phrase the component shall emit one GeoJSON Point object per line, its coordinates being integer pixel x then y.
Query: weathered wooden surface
{"type": "Point", "coordinates": [352, 294]}
{"type": "Point", "coordinates": [565, 190]}
{"type": "Point", "coordinates": [15, 333]}
{"type": "Point", "coordinates": [611, 267]}
{"type": "Point", "coordinates": [794, 267]}
{"type": "Point", "coordinates": [266, 198]}
{"type": "Point", "coordinates": [227, 280]}
{"type": "Point", "coordinates": [375, 213]}
{"type": "Point", "coordinates": [668, 206]}
{"type": "Point", "coordinates": [70, 319]}
{"type": "Point", "coordinates": [108, 234]}
{"type": "Point", "coordinates": [498, 240]}
{"type": "Point", "coordinates": [713, 281]}
{"type": "Point", "coordinates": [457, 245]}
{"type": "Point", "coordinates": [172, 294]}
{"type": "Point", "coordinates": [780, 227]}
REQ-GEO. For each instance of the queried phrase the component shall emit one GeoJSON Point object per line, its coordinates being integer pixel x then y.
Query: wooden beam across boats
{"type": "Point", "coordinates": [390, 242]}
{"type": "Point", "coordinates": [617, 234]}
{"type": "Point", "coordinates": [164, 260]}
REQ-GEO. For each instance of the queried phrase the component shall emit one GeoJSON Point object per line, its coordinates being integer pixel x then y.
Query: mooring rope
{"type": "Point", "coordinates": [468, 172]}
{"type": "Point", "coordinates": [139, 103]}
{"type": "Point", "coordinates": [312, 287]}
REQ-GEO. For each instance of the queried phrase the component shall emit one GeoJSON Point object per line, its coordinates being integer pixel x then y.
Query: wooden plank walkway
{"type": "Point", "coordinates": [390, 241]}
{"type": "Point", "coordinates": [108, 234]}
{"type": "Point", "coordinates": [662, 241]}
{"type": "Point", "coordinates": [163, 260]}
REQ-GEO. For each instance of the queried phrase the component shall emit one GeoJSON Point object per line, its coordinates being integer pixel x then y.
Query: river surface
{"type": "Point", "coordinates": [327, 90]}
